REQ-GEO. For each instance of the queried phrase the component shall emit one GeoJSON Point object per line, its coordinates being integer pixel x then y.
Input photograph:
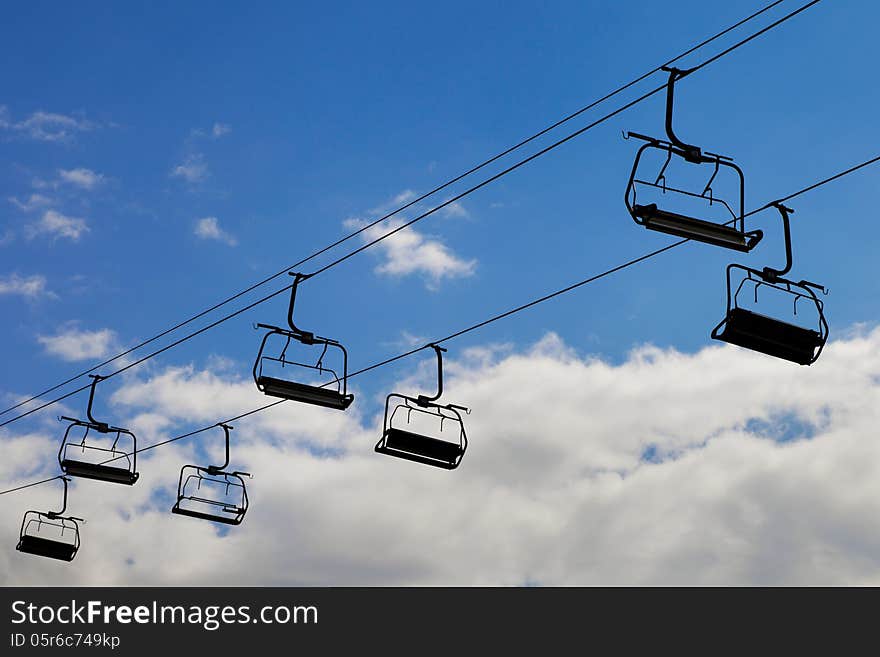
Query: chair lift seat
{"type": "Point", "coordinates": [45, 547]}
{"type": "Point", "coordinates": [202, 515]}
{"type": "Point", "coordinates": [770, 336]}
{"type": "Point", "coordinates": [680, 225]}
{"type": "Point", "coordinates": [100, 472]}
{"type": "Point", "coordinates": [304, 393]}
{"type": "Point", "coordinates": [419, 448]}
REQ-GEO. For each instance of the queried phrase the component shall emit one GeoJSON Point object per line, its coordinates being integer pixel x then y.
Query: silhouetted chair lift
{"type": "Point", "coordinates": [420, 447]}
{"type": "Point", "coordinates": [768, 335]}
{"type": "Point", "coordinates": [79, 459]}
{"type": "Point", "coordinates": [211, 493]}
{"type": "Point", "coordinates": [50, 534]}
{"type": "Point", "coordinates": [732, 234]}
{"type": "Point", "coordinates": [329, 397]}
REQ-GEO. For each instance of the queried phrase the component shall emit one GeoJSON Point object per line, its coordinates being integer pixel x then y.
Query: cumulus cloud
{"type": "Point", "coordinates": [73, 344]}
{"type": "Point", "coordinates": [81, 177]}
{"type": "Point", "coordinates": [719, 467]}
{"type": "Point", "coordinates": [58, 225]}
{"type": "Point", "coordinates": [208, 228]}
{"type": "Point", "coordinates": [411, 252]}
{"type": "Point", "coordinates": [26, 286]}
{"type": "Point", "coordinates": [193, 169]}
{"type": "Point", "coordinates": [46, 126]}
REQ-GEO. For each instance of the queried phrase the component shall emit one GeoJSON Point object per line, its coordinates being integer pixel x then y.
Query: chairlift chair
{"type": "Point", "coordinates": [90, 461]}
{"type": "Point", "coordinates": [211, 493]}
{"type": "Point", "coordinates": [731, 234]}
{"type": "Point", "coordinates": [50, 534]}
{"type": "Point", "coordinates": [769, 335]}
{"type": "Point", "coordinates": [329, 397]}
{"type": "Point", "coordinates": [419, 447]}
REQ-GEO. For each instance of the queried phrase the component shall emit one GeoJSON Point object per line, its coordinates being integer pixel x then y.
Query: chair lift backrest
{"type": "Point", "coordinates": [426, 402]}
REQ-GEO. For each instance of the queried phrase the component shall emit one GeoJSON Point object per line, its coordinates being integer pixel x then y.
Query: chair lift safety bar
{"type": "Point", "coordinates": [211, 493]}
{"type": "Point", "coordinates": [274, 386]}
{"type": "Point", "coordinates": [420, 447]}
{"type": "Point", "coordinates": [768, 335]}
{"type": "Point", "coordinates": [50, 534]}
{"type": "Point", "coordinates": [81, 459]}
{"type": "Point", "coordinates": [731, 235]}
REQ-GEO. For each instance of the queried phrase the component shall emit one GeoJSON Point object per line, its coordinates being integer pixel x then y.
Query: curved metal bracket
{"type": "Point", "coordinates": [217, 469]}
{"type": "Point", "coordinates": [771, 274]}
{"type": "Point", "coordinates": [103, 427]}
{"type": "Point", "coordinates": [691, 153]}
{"type": "Point", "coordinates": [53, 515]}
{"type": "Point", "coordinates": [424, 400]}
{"type": "Point", "coordinates": [303, 336]}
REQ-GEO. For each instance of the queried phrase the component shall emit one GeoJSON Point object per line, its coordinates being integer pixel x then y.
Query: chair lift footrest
{"type": "Point", "coordinates": [700, 230]}
{"type": "Point", "coordinates": [304, 393]}
{"type": "Point", "coordinates": [226, 520]}
{"type": "Point", "coordinates": [99, 472]}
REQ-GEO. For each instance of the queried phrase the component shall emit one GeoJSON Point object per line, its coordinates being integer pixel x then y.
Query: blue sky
{"type": "Point", "coordinates": [322, 115]}
{"type": "Point", "coordinates": [157, 158]}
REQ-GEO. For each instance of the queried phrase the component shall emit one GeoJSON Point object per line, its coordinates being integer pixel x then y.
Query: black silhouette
{"type": "Point", "coordinates": [50, 534]}
{"type": "Point", "coordinates": [419, 447]}
{"type": "Point", "coordinates": [654, 218]}
{"type": "Point", "coordinates": [211, 493]}
{"type": "Point", "coordinates": [274, 386]}
{"type": "Point", "coordinates": [768, 335]}
{"type": "Point", "coordinates": [79, 459]}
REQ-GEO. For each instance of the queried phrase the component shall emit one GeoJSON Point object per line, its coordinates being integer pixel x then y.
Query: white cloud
{"type": "Point", "coordinates": [456, 210]}
{"type": "Point", "coordinates": [208, 228]}
{"type": "Point", "coordinates": [33, 202]}
{"type": "Point", "coordinates": [192, 170]}
{"type": "Point", "coordinates": [216, 131]}
{"type": "Point", "coordinates": [81, 177]}
{"type": "Point", "coordinates": [410, 252]}
{"type": "Point", "coordinates": [720, 467]}
{"type": "Point", "coordinates": [74, 345]}
{"type": "Point", "coordinates": [58, 225]}
{"type": "Point", "coordinates": [399, 200]}
{"type": "Point", "coordinates": [45, 126]}
{"type": "Point", "coordinates": [26, 286]}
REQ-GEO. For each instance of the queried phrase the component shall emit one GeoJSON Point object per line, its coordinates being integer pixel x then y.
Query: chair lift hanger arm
{"type": "Point", "coordinates": [771, 274]}
{"type": "Point", "coordinates": [690, 152]}
{"type": "Point", "coordinates": [103, 427]}
{"type": "Point", "coordinates": [305, 336]}
{"type": "Point", "coordinates": [54, 515]}
{"type": "Point", "coordinates": [216, 469]}
{"type": "Point", "coordinates": [424, 400]}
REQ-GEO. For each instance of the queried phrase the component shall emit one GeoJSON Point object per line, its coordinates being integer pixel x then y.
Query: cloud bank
{"type": "Point", "coordinates": [718, 467]}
